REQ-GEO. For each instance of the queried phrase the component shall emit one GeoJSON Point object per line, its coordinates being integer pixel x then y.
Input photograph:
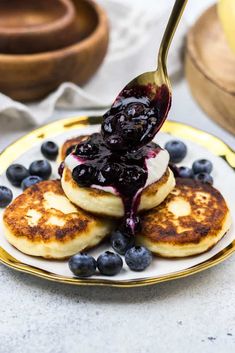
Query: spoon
{"type": "Point", "coordinates": [142, 106]}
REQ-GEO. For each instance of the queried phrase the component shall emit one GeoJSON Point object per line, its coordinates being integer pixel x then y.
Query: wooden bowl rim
{"type": "Point", "coordinates": [196, 59]}
{"type": "Point", "coordinates": [96, 34]}
{"type": "Point", "coordinates": [59, 23]}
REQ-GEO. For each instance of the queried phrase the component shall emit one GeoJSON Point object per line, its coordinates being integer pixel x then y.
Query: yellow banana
{"type": "Point", "coordinates": [226, 13]}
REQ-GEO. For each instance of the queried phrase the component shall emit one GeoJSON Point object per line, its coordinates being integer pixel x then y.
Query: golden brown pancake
{"type": "Point", "coordinates": [191, 220]}
{"type": "Point", "coordinates": [43, 222]}
{"type": "Point", "coordinates": [105, 203]}
{"type": "Point", "coordinates": [68, 145]}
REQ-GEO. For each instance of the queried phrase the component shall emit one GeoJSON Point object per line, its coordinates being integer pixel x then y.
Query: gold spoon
{"type": "Point", "coordinates": [154, 85]}
{"type": "Point", "coordinates": [160, 76]}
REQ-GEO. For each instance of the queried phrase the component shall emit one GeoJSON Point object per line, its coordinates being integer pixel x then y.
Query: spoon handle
{"type": "Point", "coordinates": [172, 24]}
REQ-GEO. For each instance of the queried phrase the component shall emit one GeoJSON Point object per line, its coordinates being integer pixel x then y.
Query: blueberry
{"type": "Point", "coordinates": [6, 196]}
{"type": "Point", "coordinates": [138, 258]}
{"type": "Point", "coordinates": [121, 242]}
{"type": "Point", "coordinates": [16, 173]}
{"type": "Point", "coordinates": [109, 264]}
{"type": "Point", "coordinates": [185, 172]}
{"type": "Point", "coordinates": [83, 175]}
{"type": "Point", "coordinates": [204, 178]}
{"type": "Point", "coordinates": [177, 150]}
{"type": "Point", "coordinates": [29, 181]}
{"type": "Point", "coordinates": [86, 149]}
{"type": "Point", "coordinates": [82, 265]}
{"type": "Point", "coordinates": [70, 150]}
{"type": "Point", "coordinates": [50, 150]}
{"type": "Point", "coordinates": [41, 168]}
{"type": "Point", "coordinates": [61, 169]}
{"type": "Point", "coordinates": [202, 166]}
{"type": "Point", "coordinates": [130, 225]}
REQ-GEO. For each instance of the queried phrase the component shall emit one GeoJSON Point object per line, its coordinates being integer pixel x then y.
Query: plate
{"type": "Point", "coordinates": [200, 145]}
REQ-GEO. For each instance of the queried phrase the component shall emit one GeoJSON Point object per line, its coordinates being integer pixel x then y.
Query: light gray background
{"type": "Point", "coordinates": [191, 315]}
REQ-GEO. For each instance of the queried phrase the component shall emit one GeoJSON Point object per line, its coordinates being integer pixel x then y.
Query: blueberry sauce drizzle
{"type": "Point", "coordinates": [117, 156]}
{"type": "Point", "coordinates": [126, 172]}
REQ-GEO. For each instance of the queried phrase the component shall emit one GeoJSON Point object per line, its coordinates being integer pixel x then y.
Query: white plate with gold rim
{"type": "Point", "coordinates": [200, 145]}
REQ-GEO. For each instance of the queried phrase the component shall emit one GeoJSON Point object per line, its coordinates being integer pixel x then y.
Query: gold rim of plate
{"type": "Point", "coordinates": [212, 143]}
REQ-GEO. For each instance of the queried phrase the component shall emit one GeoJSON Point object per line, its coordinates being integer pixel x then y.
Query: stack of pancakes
{"type": "Point", "coordinates": [56, 219]}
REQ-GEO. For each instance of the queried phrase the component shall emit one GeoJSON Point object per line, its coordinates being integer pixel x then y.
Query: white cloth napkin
{"type": "Point", "coordinates": [135, 37]}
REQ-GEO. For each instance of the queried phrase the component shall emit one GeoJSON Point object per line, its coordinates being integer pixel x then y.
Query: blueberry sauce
{"type": "Point", "coordinates": [125, 172]}
{"type": "Point", "coordinates": [135, 117]}
{"type": "Point", "coordinates": [61, 169]}
{"type": "Point", "coordinates": [117, 156]}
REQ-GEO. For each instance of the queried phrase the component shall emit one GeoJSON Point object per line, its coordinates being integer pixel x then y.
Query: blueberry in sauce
{"type": "Point", "coordinates": [84, 175]}
{"type": "Point", "coordinates": [6, 196]}
{"type": "Point", "coordinates": [88, 149]}
{"type": "Point", "coordinates": [135, 117]}
{"type": "Point", "coordinates": [16, 173]}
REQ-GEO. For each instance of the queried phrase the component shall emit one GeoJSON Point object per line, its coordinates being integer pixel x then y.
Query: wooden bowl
{"type": "Point", "coordinates": [31, 26]}
{"type": "Point", "coordinates": [210, 69]}
{"type": "Point", "coordinates": [32, 77]}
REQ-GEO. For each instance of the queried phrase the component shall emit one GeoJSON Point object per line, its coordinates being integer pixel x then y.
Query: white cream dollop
{"type": "Point", "coordinates": [156, 168]}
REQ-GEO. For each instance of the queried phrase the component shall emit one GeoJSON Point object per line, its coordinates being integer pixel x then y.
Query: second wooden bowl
{"type": "Point", "coordinates": [32, 77]}
{"type": "Point", "coordinates": [210, 69]}
{"type": "Point", "coordinates": [30, 26]}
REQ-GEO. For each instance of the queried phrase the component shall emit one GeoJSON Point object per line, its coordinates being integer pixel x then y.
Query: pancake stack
{"type": "Point", "coordinates": [43, 222]}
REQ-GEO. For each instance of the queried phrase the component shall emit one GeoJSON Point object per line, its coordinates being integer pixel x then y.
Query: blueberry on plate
{"type": "Point", "coordinates": [202, 166]}
{"type": "Point", "coordinates": [50, 150]}
{"type": "Point", "coordinates": [41, 168]}
{"type": "Point", "coordinates": [109, 263]}
{"type": "Point", "coordinates": [185, 172]}
{"type": "Point", "coordinates": [121, 242]}
{"type": "Point", "coordinates": [138, 258]}
{"type": "Point", "coordinates": [6, 196]}
{"type": "Point", "coordinates": [82, 265]}
{"type": "Point", "coordinates": [30, 180]}
{"type": "Point", "coordinates": [177, 150]}
{"type": "Point", "coordinates": [16, 173]}
{"type": "Point", "coordinates": [204, 178]}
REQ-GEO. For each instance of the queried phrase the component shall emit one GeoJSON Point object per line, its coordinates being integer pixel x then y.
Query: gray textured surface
{"type": "Point", "coordinates": [195, 314]}
{"type": "Point", "coordinates": [191, 315]}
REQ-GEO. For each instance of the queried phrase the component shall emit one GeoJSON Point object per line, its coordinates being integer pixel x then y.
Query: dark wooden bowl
{"type": "Point", "coordinates": [210, 69]}
{"type": "Point", "coordinates": [31, 26]}
{"type": "Point", "coordinates": [32, 77]}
